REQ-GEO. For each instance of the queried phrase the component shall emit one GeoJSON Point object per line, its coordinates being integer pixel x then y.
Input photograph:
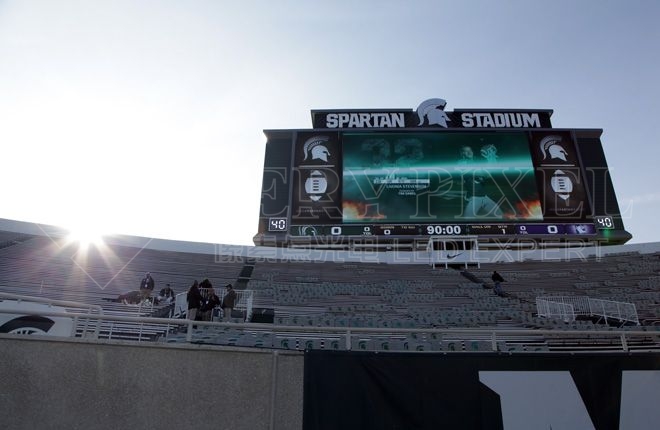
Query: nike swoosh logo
{"type": "Point", "coordinates": [451, 257]}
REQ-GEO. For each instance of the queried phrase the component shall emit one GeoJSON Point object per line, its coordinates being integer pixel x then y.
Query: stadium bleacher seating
{"type": "Point", "coordinates": [397, 299]}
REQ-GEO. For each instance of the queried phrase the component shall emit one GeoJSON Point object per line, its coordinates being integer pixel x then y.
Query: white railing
{"type": "Point", "coordinates": [180, 305]}
{"type": "Point", "coordinates": [144, 328]}
{"type": "Point", "coordinates": [552, 309]}
{"type": "Point", "coordinates": [65, 303]}
{"type": "Point", "coordinates": [621, 311]}
{"type": "Point", "coordinates": [568, 307]}
{"type": "Point", "coordinates": [88, 321]}
{"type": "Point", "coordinates": [244, 301]}
{"type": "Point", "coordinates": [249, 303]}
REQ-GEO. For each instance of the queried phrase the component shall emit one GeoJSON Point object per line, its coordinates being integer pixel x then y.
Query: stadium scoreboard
{"type": "Point", "coordinates": [395, 177]}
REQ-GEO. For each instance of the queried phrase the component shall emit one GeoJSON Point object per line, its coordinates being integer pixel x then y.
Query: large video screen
{"type": "Point", "coordinates": [438, 177]}
{"type": "Point", "coordinates": [411, 183]}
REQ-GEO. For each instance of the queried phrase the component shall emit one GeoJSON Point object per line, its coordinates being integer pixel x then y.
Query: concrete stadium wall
{"type": "Point", "coordinates": [79, 384]}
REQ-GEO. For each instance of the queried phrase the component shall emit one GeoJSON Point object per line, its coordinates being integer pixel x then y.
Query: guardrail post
{"type": "Point", "coordinates": [624, 343]}
{"type": "Point", "coordinates": [97, 329]}
{"type": "Point", "coordinates": [348, 340]}
{"type": "Point", "coordinates": [85, 326]}
{"type": "Point", "coordinates": [75, 327]}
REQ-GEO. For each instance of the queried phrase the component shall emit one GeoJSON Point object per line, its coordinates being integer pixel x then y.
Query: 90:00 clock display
{"type": "Point", "coordinates": [443, 229]}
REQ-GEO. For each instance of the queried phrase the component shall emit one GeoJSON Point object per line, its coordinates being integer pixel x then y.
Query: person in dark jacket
{"type": "Point", "coordinates": [194, 298]}
{"type": "Point", "coordinates": [210, 302]}
{"type": "Point", "coordinates": [497, 280]}
{"type": "Point", "coordinates": [147, 285]}
{"type": "Point", "coordinates": [228, 302]}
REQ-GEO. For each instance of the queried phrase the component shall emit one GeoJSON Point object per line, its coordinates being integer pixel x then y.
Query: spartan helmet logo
{"type": "Point", "coordinates": [551, 144]}
{"type": "Point", "coordinates": [315, 148]}
{"type": "Point", "coordinates": [433, 111]}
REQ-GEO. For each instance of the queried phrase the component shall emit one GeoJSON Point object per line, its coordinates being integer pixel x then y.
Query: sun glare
{"type": "Point", "coordinates": [85, 236]}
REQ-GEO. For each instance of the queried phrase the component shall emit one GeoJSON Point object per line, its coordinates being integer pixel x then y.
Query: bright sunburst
{"type": "Point", "coordinates": [85, 235]}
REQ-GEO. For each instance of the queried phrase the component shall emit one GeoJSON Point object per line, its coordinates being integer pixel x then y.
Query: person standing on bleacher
{"type": "Point", "coordinates": [194, 298]}
{"type": "Point", "coordinates": [147, 285]}
{"type": "Point", "coordinates": [228, 303]}
{"type": "Point", "coordinates": [210, 302]}
{"type": "Point", "coordinates": [497, 281]}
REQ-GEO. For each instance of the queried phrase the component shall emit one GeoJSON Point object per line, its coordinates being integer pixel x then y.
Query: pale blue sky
{"type": "Point", "coordinates": [146, 117]}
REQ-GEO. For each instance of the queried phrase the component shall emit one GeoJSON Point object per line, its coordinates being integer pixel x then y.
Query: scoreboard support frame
{"type": "Point", "coordinates": [461, 250]}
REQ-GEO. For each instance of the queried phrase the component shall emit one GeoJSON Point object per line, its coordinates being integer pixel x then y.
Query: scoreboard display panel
{"type": "Point", "coordinates": [437, 177]}
{"type": "Point", "coordinates": [404, 182]}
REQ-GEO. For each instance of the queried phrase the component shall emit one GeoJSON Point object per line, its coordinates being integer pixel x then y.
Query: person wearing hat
{"type": "Point", "coordinates": [228, 302]}
{"type": "Point", "coordinates": [147, 285]}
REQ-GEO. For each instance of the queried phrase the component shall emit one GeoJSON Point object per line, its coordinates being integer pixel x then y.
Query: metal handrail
{"type": "Point", "coordinates": [348, 332]}
{"type": "Point", "coordinates": [548, 308]}
{"type": "Point", "coordinates": [68, 304]}
{"type": "Point", "coordinates": [583, 305]}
